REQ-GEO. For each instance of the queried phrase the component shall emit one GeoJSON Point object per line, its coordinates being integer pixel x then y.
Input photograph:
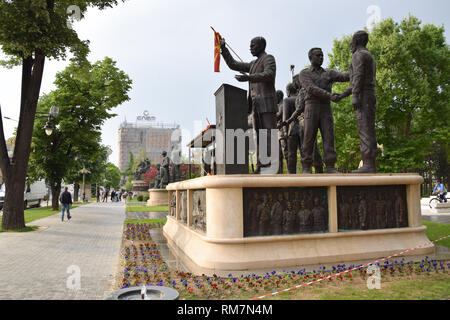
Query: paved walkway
{"type": "Point", "coordinates": [37, 265]}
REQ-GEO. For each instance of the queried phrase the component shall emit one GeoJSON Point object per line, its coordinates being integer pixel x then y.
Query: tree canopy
{"type": "Point", "coordinates": [85, 97]}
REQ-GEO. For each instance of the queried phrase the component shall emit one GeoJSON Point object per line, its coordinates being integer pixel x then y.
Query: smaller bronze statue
{"type": "Point", "coordinates": [142, 168]}
{"type": "Point", "coordinates": [165, 164]}
{"type": "Point", "coordinates": [158, 177]}
{"type": "Point", "coordinates": [176, 158]}
{"type": "Point", "coordinates": [281, 132]}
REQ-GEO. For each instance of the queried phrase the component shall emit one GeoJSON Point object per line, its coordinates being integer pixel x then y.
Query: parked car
{"type": "Point", "coordinates": [33, 194]}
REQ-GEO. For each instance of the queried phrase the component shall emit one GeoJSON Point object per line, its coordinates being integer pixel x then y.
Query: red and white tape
{"type": "Point", "coordinates": [350, 270]}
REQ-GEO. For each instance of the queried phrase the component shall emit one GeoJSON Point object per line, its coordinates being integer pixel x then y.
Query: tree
{"type": "Point", "coordinates": [86, 96]}
{"type": "Point", "coordinates": [128, 174]}
{"type": "Point", "coordinates": [112, 176]}
{"type": "Point", "coordinates": [412, 91]}
{"type": "Point", "coordinates": [30, 32]}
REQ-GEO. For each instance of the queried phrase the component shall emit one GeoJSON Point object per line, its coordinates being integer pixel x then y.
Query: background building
{"type": "Point", "coordinates": [147, 134]}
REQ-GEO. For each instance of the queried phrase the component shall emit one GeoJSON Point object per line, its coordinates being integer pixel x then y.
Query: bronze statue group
{"type": "Point", "coordinates": [163, 176]}
{"type": "Point", "coordinates": [307, 107]}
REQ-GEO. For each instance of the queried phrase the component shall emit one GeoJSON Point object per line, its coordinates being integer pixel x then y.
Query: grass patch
{"type": "Point", "coordinates": [436, 230]}
{"type": "Point", "coordinates": [148, 209]}
{"type": "Point", "coordinates": [33, 215]}
{"type": "Point", "coordinates": [431, 287]}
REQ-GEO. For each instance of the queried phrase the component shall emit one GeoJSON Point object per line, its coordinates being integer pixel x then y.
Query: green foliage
{"type": "Point", "coordinates": [112, 176]}
{"type": "Point", "coordinates": [130, 168]}
{"type": "Point", "coordinates": [412, 92]}
{"type": "Point", "coordinates": [128, 186]}
{"type": "Point", "coordinates": [146, 198]}
{"type": "Point", "coordinates": [85, 97]}
{"type": "Point", "coordinates": [30, 27]}
{"type": "Point", "coordinates": [141, 156]}
{"type": "Point", "coordinates": [140, 198]}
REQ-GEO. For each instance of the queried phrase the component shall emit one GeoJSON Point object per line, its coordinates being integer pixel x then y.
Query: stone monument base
{"type": "Point", "coordinates": [441, 207]}
{"type": "Point", "coordinates": [158, 197]}
{"type": "Point", "coordinates": [140, 187]}
{"type": "Point", "coordinates": [211, 226]}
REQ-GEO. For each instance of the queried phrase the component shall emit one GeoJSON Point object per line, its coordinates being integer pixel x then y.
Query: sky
{"type": "Point", "coordinates": [166, 47]}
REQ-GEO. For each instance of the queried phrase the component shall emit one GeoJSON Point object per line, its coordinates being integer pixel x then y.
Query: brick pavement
{"type": "Point", "coordinates": [34, 265]}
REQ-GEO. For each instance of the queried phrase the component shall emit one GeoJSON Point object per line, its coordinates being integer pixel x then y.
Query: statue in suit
{"type": "Point", "coordinates": [363, 82]}
{"type": "Point", "coordinates": [262, 98]}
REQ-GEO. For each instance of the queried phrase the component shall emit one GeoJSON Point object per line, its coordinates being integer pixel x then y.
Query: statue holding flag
{"type": "Point", "coordinates": [260, 74]}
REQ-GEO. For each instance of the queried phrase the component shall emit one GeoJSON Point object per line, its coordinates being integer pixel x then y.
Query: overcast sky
{"type": "Point", "coordinates": [166, 47]}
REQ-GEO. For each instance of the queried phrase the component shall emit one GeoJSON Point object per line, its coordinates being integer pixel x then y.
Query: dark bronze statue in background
{"type": "Point", "coordinates": [142, 168]}
{"type": "Point", "coordinates": [318, 83]}
{"type": "Point", "coordinates": [158, 177]}
{"type": "Point", "coordinates": [282, 139]}
{"type": "Point", "coordinates": [363, 81]}
{"type": "Point", "coordinates": [262, 95]}
{"type": "Point", "coordinates": [165, 164]}
{"type": "Point", "coordinates": [294, 118]}
{"type": "Point", "coordinates": [293, 134]}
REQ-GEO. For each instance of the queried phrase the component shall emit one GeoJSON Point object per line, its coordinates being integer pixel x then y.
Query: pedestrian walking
{"type": "Point", "coordinates": [98, 195]}
{"type": "Point", "coordinates": [66, 202]}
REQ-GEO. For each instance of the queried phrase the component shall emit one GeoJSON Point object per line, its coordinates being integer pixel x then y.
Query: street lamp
{"type": "Point", "coordinates": [84, 171]}
{"type": "Point", "coordinates": [49, 127]}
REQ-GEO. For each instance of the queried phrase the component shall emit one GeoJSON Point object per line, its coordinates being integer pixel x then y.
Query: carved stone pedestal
{"type": "Point", "coordinates": [242, 222]}
{"type": "Point", "coordinates": [158, 197]}
{"type": "Point", "coordinates": [140, 187]}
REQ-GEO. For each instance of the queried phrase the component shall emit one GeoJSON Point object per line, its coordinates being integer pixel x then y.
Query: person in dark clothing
{"type": "Point", "coordinates": [98, 195]}
{"type": "Point", "coordinates": [66, 201]}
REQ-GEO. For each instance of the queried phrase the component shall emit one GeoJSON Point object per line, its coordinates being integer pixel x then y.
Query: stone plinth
{"type": "Point", "coordinates": [140, 187]}
{"type": "Point", "coordinates": [211, 224]}
{"type": "Point", "coordinates": [158, 197]}
{"type": "Point", "coordinates": [441, 207]}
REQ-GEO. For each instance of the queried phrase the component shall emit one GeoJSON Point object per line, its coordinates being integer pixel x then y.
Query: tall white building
{"type": "Point", "coordinates": [147, 134]}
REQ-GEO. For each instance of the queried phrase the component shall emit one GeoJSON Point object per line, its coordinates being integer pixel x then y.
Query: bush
{"type": "Point", "coordinates": [140, 198]}
{"type": "Point", "coordinates": [146, 198]}
{"type": "Point", "coordinates": [128, 186]}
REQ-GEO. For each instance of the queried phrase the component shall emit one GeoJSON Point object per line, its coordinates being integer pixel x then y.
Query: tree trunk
{"type": "Point", "coordinates": [15, 172]}
{"type": "Point", "coordinates": [76, 191]}
{"type": "Point", "coordinates": [13, 207]}
{"type": "Point", "coordinates": [56, 191]}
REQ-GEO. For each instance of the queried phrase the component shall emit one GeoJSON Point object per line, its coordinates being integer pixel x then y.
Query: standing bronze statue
{"type": "Point", "coordinates": [318, 83]}
{"type": "Point", "coordinates": [363, 81]}
{"type": "Point", "coordinates": [282, 139]}
{"type": "Point", "coordinates": [293, 134]}
{"type": "Point", "coordinates": [262, 95]}
{"type": "Point", "coordinates": [298, 118]}
{"type": "Point", "coordinates": [165, 164]}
